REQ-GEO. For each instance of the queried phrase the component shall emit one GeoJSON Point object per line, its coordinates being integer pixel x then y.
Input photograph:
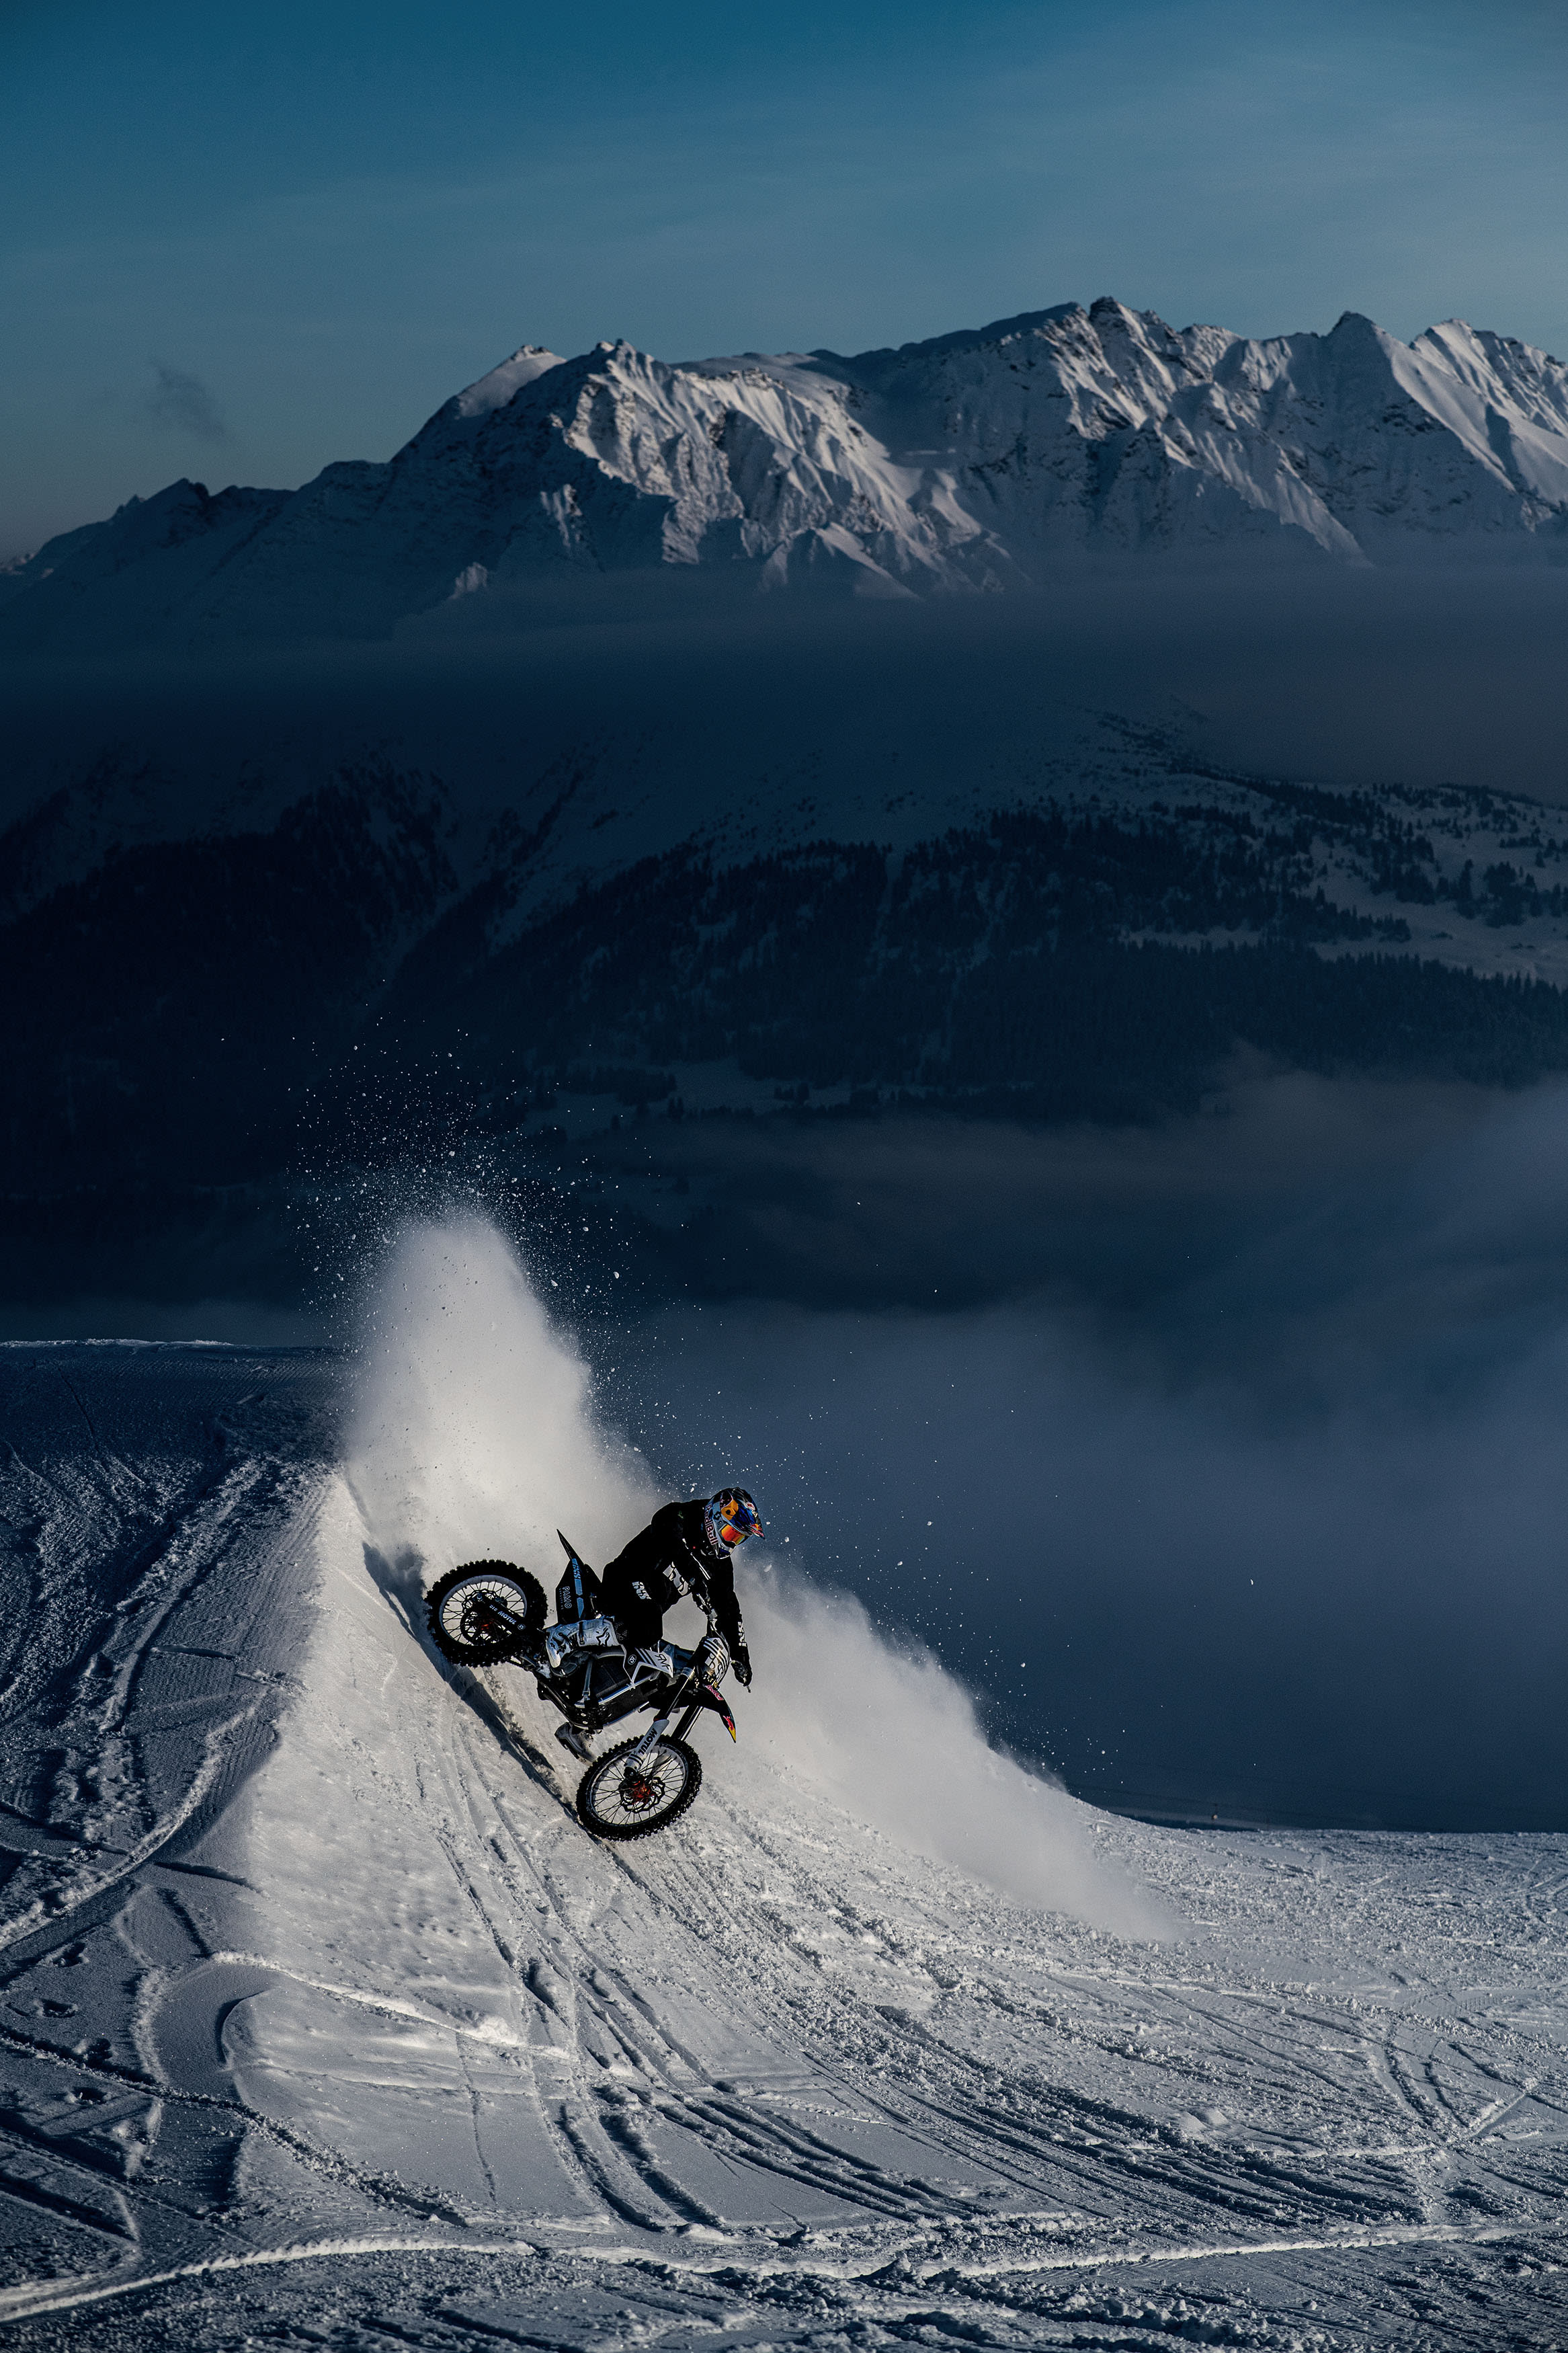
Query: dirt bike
{"type": "Point", "coordinates": [492, 1613]}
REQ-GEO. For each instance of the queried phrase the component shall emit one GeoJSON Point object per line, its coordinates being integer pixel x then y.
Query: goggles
{"type": "Point", "coordinates": [734, 1521]}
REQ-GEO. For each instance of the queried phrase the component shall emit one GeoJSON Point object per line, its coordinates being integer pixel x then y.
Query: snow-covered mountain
{"type": "Point", "coordinates": [976, 461]}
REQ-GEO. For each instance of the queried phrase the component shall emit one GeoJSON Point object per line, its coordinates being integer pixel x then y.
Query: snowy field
{"type": "Point", "coordinates": [324, 2022]}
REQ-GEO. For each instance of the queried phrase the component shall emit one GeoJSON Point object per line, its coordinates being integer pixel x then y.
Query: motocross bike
{"type": "Point", "coordinates": [490, 1613]}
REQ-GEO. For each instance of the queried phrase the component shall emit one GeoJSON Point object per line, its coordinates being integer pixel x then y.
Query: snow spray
{"type": "Point", "coordinates": [887, 1733]}
{"type": "Point", "coordinates": [475, 1436]}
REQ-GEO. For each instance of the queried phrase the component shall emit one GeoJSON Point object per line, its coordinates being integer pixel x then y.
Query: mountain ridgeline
{"type": "Point", "coordinates": [979, 461]}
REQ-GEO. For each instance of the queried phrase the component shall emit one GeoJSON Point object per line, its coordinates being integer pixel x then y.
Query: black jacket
{"type": "Point", "coordinates": [667, 1559]}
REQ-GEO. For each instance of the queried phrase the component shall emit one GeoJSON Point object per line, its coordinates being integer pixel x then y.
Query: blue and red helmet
{"type": "Point", "coordinates": [729, 1518]}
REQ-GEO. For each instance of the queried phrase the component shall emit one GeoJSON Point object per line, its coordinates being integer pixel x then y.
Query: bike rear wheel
{"type": "Point", "coordinates": [462, 1609]}
{"type": "Point", "coordinates": [617, 1800]}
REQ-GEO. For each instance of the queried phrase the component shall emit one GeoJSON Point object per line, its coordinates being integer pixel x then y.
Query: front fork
{"type": "Point", "coordinates": [703, 1696]}
{"type": "Point", "coordinates": [659, 1728]}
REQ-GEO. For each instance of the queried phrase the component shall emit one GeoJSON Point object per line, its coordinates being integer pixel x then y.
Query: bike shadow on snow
{"type": "Point", "coordinates": [401, 1580]}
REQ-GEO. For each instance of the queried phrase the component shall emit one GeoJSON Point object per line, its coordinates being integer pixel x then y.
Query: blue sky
{"type": "Point", "coordinates": [236, 242]}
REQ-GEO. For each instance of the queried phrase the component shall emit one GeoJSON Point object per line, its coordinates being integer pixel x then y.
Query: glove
{"type": "Point", "coordinates": [740, 1660]}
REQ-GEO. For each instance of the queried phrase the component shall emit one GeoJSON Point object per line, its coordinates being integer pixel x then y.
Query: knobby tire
{"type": "Point", "coordinates": [451, 1624]}
{"type": "Point", "coordinates": [601, 1776]}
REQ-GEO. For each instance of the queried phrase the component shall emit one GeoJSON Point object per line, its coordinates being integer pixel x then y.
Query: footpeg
{"type": "Point", "coordinates": [570, 1739]}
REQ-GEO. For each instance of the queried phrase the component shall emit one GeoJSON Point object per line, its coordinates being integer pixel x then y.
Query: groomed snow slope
{"type": "Point", "coordinates": [325, 2022]}
{"type": "Point", "coordinates": [974, 461]}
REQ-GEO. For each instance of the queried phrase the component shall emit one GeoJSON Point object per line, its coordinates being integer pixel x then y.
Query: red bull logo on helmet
{"type": "Point", "coordinates": [731, 1517]}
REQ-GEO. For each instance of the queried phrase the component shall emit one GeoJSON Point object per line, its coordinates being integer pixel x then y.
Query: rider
{"type": "Point", "coordinates": [685, 1548]}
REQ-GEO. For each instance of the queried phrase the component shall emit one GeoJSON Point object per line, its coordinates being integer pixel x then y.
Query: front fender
{"type": "Point", "coordinates": [710, 1698]}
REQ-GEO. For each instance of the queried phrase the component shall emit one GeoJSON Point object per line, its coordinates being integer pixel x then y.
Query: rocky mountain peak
{"type": "Point", "coordinates": [978, 460]}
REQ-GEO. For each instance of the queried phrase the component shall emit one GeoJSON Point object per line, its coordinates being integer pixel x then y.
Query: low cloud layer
{"type": "Point", "coordinates": [1250, 1502]}
{"type": "Point", "coordinates": [1299, 1239]}
{"type": "Point", "coordinates": [1447, 676]}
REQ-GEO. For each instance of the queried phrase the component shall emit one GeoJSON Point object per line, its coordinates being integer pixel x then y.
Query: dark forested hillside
{"type": "Point", "coordinates": [179, 1010]}
{"type": "Point", "coordinates": [1035, 962]}
{"type": "Point", "coordinates": [167, 1012]}
{"type": "Point", "coordinates": [191, 1027]}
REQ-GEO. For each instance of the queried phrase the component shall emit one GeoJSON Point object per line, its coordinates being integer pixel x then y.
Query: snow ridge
{"type": "Point", "coordinates": [976, 461]}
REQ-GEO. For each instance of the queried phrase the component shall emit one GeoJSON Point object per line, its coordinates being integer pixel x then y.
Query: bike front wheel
{"type": "Point", "coordinates": [618, 1799]}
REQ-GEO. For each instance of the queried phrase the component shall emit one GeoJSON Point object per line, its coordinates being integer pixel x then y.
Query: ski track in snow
{"type": "Point", "coordinates": [324, 2021]}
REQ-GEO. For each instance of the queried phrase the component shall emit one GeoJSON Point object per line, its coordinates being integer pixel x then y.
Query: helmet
{"type": "Point", "coordinates": [729, 1518]}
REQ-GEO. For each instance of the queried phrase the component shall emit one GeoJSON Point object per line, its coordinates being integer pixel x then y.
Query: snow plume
{"type": "Point", "coordinates": [475, 1435]}
{"type": "Point", "coordinates": [888, 1736]}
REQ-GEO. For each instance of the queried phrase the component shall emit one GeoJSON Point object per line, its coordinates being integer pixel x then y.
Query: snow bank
{"type": "Point", "coordinates": [475, 1435]}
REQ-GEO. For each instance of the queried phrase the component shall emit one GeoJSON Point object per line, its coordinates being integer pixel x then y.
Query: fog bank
{"type": "Point", "coordinates": [1361, 677]}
